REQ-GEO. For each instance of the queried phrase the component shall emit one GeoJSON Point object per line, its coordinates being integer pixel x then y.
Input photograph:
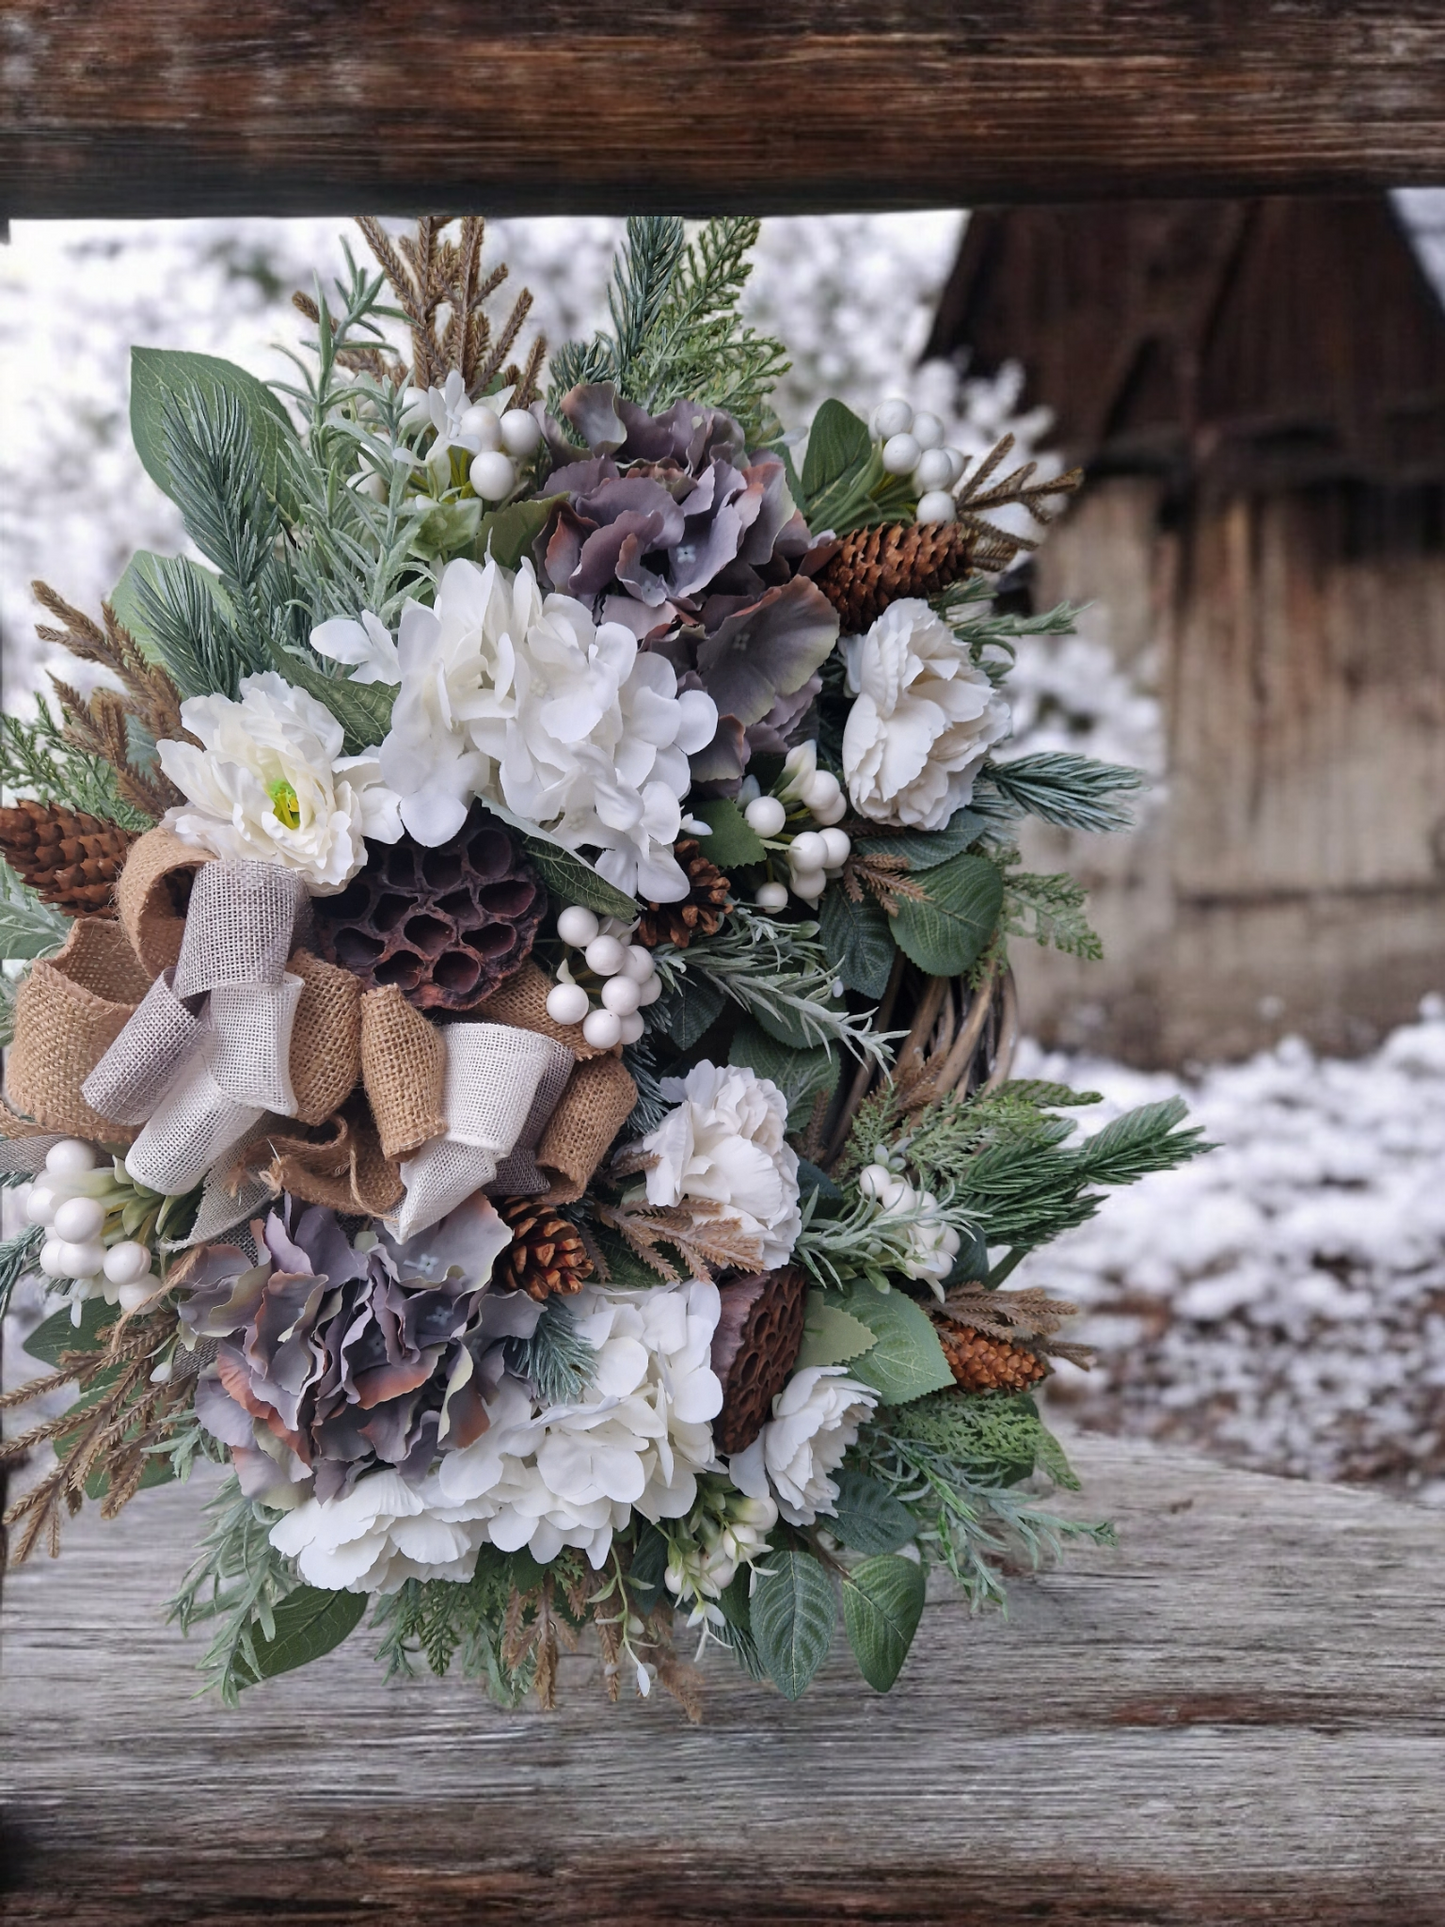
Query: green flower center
{"type": "Point", "coordinates": [285, 803]}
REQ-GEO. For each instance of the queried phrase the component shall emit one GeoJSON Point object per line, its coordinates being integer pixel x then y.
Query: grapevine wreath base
{"type": "Point", "coordinates": [511, 1042]}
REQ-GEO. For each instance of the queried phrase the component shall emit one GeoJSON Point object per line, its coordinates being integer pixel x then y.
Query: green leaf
{"type": "Point", "coordinates": [158, 372]}
{"type": "Point", "coordinates": [447, 529]}
{"type": "Point", "coordinates": [926, 849]}
{"type": "Point", "coordinates": [362, 709]}
{"type": "Point", "coordinates": [858, 939]}
{"type": "Point", "coordinates": [831, 1336]}
{"type": "Point", "coordinates": [56, 1334]}
{"type": "Point", "coordinates": [793, 1611]}
{"type": "Point", "coordinates": [28, 927]}
{"type": "Point", "coordinates": [803, 1076]}
{"type": "Point", "coordinates": [867, 1517]}
{"type": "Point", "coordinates": [810, 1178]}
{"type": "Point", "coordinates": [839, 446]}
{"type": "Point", "coordinates": [309, 1623]}
{"type": "Point", "coordinates": [882, 1605]}
{"type": "Point", "coordinates": [649, 1564]}
{"type": "Point", "coordinates": [908, 1361]}
{"type": "Point", "coordinates": [511, 531]}
{"type": "Point", "coordinates": [732, 842]}
{"type": "Point", "coordinates": [692, 1011]}
{"type": "Point", "coordinates": [948, 932]}
{"type": "Point", "coordinates": [573, 881]}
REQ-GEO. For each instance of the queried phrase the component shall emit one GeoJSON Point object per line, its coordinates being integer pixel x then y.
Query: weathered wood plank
{"type": "Point", "coordinates": [1235, 1719]}
{"type": "Point", "coordinates": [182, 107]}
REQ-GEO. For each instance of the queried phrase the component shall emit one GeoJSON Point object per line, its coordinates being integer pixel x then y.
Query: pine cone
{"type": "Point", "coordinates": [755, 1346]}
{"type": "Point", "coordinates": [872, 567]}
{"type": "Point", "coordinates": [546, 1254]}
{"type": "Point", "coordinates": [445, 925]}
{"type": "Point", "coordinates": [68, 858]}
{"type": "Point", "coordinates": [701, 911]}
{"type": "Point", "coordinates": [983, 1364]}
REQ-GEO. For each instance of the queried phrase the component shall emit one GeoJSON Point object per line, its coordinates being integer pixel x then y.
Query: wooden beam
{"type": "Point", "coordinates": [1233, 1719]}
{"type": "Point", "coordinates": [174, 107]}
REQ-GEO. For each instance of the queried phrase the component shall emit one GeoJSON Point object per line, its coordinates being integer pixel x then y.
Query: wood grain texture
{"type": "Point", "coordinates": [1235, 1719]}
{"type": "Point", "coordinates": [292, 106]}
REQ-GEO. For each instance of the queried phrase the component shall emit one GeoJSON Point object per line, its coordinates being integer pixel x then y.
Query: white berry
{"type": "Point", "coordinates": [900, 454]}
{"type": "Point", "coordinates": [927, 429]}
{"type": "Point", "coordinates": [838, 847]}
{"type": "Point", "coordinates": [520, 434]}
{"type": "Point", "coordinates": [892, 417]}
{"type": "Point", "coordinates": [603, 1029]}
{"type": "Point", "coordinates": [40, 1205]}
{"type": "Point", "coordinates": [69, 1158]}
{"type": "Point", "coordinates": [936, 506]}
{"type": "Point", "coordinates": [79, 1219]}
{"type": "Point", "coordinates": [821, 791]}
{"type": "Point", "coordinates": [872, 1178]}
{"type": "Point", "coordinates": [951, 1241]}
{"type": "Point", "coordinates": [577, 926]}
{"type": "Point", "coordinates": [50, 1259]}
{"type": "Point", "coordinates": [605, 955]}
{"type": "Point", "coordinates": [80, 1260]}
{"type": "Point", "coordinates": [957, 461]}
{"type": "Point", "coordinates": [126, 1262]}
{"type": "Point", "coordinates": [493, 476]}
{"type": "Point", "coordinates": [371, 482]}
{"type": "Point", "coordinates": [632, 1028]}
{"type": "Point", "coordinates": [621, 994]}
{"type": "Point", "coordinates": [809, 884]}
{"type": "Point", "coordinates": [833, 812]}
{"type": "Point", "coordinates": [567, 1003]}
{"type": "Point", "coordinates": [649, 992]}
{"type": "Point", "coordinates": [481, 428]}
{"type": "Point", "coordinates": [808, 851]}
{"type": "Point", "coordinates": [934, 470]}
{"type": "Point", "coordinates": [772, 896]}
{"type": "Point", "coordinates": [638, 963]}
{"type": "Point", "coordinates": [135, 1292]}
{"type": "Point", "coordinates": [766, 815]}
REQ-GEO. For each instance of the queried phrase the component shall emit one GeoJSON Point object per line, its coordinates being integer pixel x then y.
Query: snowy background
{"type": "Point", "coordinates": [1280, 1303]}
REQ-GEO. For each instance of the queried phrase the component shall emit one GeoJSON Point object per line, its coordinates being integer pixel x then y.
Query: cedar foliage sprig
{"type": "Point", "coordinates": [237, 1580]}
{"type": "Point", "coordinates": [556, 1358]}
{"type": "Point", "coordinates": [37, 759]}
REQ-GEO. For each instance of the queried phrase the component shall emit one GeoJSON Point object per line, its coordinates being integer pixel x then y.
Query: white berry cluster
{"type": "Point", "coordinates": [724, 1531]}
{"type": "Point", "coordinates": [78, 1200]}
{"type": "Point", "coordinates": [496, 441]}
{"type": "Point", "coordinates": [624, 973]}
{"type": "Point", "coordinates": [812, 855]}
{"type": "Point", "coordinates": [935, 1243]}
{"type": "Point", "coordinates": [913, 446]}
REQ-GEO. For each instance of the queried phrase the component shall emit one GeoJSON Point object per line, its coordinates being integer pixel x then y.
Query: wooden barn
{"type": "Point", "coordinates": [1257, 390]}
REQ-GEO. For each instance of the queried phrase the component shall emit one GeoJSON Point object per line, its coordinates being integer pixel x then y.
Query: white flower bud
{"type": "Point", "coordinates": [40, 1204]}
{"type": "Point", "coordinates": [577, 926]}
{"type": "Point", "coordinates": [80, 1260]}
{"type": "Point", "coordinates": [602, 1029]}
{"type": "Point", "coordinates": [50, 1259]}
{"type": "Point", "coordinates": [649, 992]}
{"type": "Point", "coordinates": [822, 791]}
{"type": "Point", "coordinates": [957, 462]}
{"type": "Point", "coordinates": [766, 815]}
{"type": "Point", "coordinates": [834, 811]}
{"type": "Point", "coordinates": [892, 417]}
{"type": "Point", "coordinates": [900, 454]}
{"type": "Point", "coordinates": [809, 884]}
{"type": "Point", "coordinates": [632, 1028]}
{"type": "Point", "coordinates": [132, 1296]}
{"type": "Point", "coordinates": [567, 1003]}
{"type": "Point", "coordinates": [493, 475]}
{"type": "Point", "coordinates": [873, 1178]}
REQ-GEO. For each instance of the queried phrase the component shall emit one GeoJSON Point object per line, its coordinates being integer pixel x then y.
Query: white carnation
{"type": "Point", "coordinates": [269, 784]}
{"type": "Point", "coordinates": [923, 722]}
{"type": "Point", "coordinates": [449, 724]}
{"type": "Point", "coordinates": [378, 1535]}
{"type": "Point", "coordinates": [725, 1142]}
{"type": "Point", "coordinates": [815, 1419]}
{"type": "Point", "coordinates": [573, 1474]}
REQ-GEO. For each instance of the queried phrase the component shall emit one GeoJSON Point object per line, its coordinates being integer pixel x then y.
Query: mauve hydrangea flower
{"type": "Point", "coordinates": [334, 1358]}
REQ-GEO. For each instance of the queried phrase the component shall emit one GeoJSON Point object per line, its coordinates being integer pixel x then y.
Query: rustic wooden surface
{"type": "Point", "coordinates": [185, 107]}
{"type": "Point", "coordinates": [1234, 1719]}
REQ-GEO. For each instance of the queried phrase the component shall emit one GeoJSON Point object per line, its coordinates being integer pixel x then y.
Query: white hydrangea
{"type": "Point", "coordinates": [598, 753]}
{"type": "Point", "coordinates": [456, 663]}
{"type": "Point", "coordinates": [269, 784]}
{"type": "Point", "coordinates": [573, 1474]}
{"type": "Point", "coordinates": [725, 1142]}
{"type": "Point", "coordinates": [815, 1419]}
{"type": "Point", "coordinates": [924, 719]}
{"type": "Point", "coordinates": [378, 1535]}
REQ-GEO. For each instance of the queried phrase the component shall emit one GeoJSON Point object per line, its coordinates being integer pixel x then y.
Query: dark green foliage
{"type": "Point", "coordinates": [308, 1624]}
{"type": "Point", "coordinates": [556, 1358]}
{"type": "Point", "coordinates": [882, 1605]}
{"type": "Point", "coordinates": [859, 940]}
{"type": "Point", "coordinates": [240, 1581]}
{"type": "Point", "coordinates": [844, 484]}
{"type": "Point", "coordinates": [1074, 792]}
{"type": "Point", "coordinates": [803, 1076]}
{"type": "Point", "coordinates": [946, 933]}
{"type": "Point", "coordinates": [867, 1517]}
{"type": "Point", "coordinates": [18, 1257]}
{"type": "Point", "coordinates": [35, 760]}
{"type": "Point", "coordinates": [794, 1611]}
{"type": "Point", "coordinates": [1050, 910]}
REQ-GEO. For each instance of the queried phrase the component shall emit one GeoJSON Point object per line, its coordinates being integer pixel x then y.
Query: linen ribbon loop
{"type": "Point", "coordinates": [496, 1077]}
{"type": "Point", "coordinates": [207, 1052]}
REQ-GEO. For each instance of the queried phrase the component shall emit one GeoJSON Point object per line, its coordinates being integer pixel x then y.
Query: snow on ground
{"type": "Point", "coordinates": [1281, 1301]}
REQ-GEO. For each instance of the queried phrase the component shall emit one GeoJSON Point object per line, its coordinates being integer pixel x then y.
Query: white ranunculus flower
{"type": "Point", "coordinates": [450, 721]}
{"type": "Point", "coordinates": [573, 1474]}
{"type": "Point", "coordinates": [366, 646]}
{"type": "Point", "coordinates": [378, 1535]}
{"type": "Point", "coordinates": [269, 784]}
{"type": "Point", "coordinates": [815, 1419]}
{"type": "Point", "coordinates": [598, 752]}
{"type": "Point", "coordinates": [726, 1142]}
{"type": "Point", "coordinates": [923, 721]}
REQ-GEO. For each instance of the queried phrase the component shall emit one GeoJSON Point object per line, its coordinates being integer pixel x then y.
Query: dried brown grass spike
{"type": "Point", "coordinates": [68, 858]}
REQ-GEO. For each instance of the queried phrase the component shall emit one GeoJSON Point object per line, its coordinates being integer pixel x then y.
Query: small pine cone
{"type": "Point", "coordinates": [68, 858]}
{"type": "Point", "coordinates": [872, 567]}
{"type": "Point", "coordinates": [759, 1335]}
{"type": "Point", "coordinates": [983, 1364]}
{"type": "Point", "coordinates": [701, 911]}
{"type": "Point", "coordinates": [546, 1254]}
{"type": "Point", "coordinates": [445, 925]}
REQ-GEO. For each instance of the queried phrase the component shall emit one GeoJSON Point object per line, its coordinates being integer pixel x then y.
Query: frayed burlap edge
{"type": "Point", "coordinates": [68, 1013]}
{"type": "Point", "coordinates": [403, 1065]}
{"type": "Point", "coordinates": [151, 894]}
{"type": "Point", "coordinates": [594, 1107]}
